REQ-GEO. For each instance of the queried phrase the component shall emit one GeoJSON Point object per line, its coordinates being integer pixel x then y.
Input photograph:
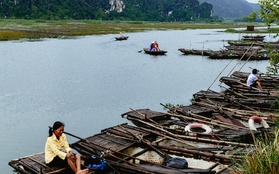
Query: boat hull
{"type": "Point", "coordinates": [121, 38]}
{"type": "Point", "coordinates": [161, 52]}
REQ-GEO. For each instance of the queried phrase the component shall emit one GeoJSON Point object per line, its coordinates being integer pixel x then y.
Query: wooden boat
{"type": "Point", "coordinates": [240, 86]}
{"type": "Point", "coordinates": [237, 83]}
{"type": "Point", "coordinates": [238, 99]}
{"type": "Point", "coordinates": [253, 38]}
{"type": "Point", "coordinates": [266, 80]}
{"type": "Point", "coordinates": [128, 149]}
{"type": "Point", "coordinates": [237, 54]}
{"type": "Point", "coordinates": [160, 52]}
{"type": "Point", "coordinates": [236, 50]}
{"type": "Point", "coordinates": [248, 44]}
{"type": "Point", "coordinates": [232, 53]}
{"type": "Point", "coordinates": [195, 52]}
{"type": "Point", "coordinates": [216, 126]}
{"type": "Point", "coordinates": [243, 48]}
{"type": "Point", "coordinates": [120, 38]}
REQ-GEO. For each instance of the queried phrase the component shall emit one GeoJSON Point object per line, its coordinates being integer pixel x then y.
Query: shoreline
{"type": "Point", "coordinates": [15, 29]}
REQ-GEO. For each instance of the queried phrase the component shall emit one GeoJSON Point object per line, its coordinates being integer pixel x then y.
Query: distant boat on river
{"type": "Point", "coordinates": [120, 38]}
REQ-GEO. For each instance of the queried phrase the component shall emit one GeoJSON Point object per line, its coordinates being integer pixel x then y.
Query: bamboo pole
{"type": "Point", "coordinates": [135, 158]}
{"type": "Point", "coordinates": [85, 140]}
{"type": "Point", "coordinates": [264, 92]}
{"type": "Point", "coordinates": [245, 115]}
{"type": "Point", "coordinates": [219, 75]}
{"type": "Point", "coordinates": [171, 135]}
{"type": "Point", "coordinates": [234, 121]}
{"type": "Point", "coordinates": [200, 153]}
{"type": "Point", "coordinates": [144, 116]}
{"type": "Point", "coordinates": [240, 59]}
{"type": "Point", "coordinates": [213, 141]}
{"type": "Point", "coordinates": [215, 123]}
{"type": "Point", "coordinates": [247, 59]}
{"type": "Point", "coordinates": [238, 94]}
{"type": "Point", "coordinates": [143, 141]}
{"type": "Point", "coordinates": [183, 150]}
{"type": "Point", "coordinates": [237, 102]}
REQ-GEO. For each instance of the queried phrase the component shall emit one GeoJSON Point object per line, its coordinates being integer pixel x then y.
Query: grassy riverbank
{"type": "Point", "coordinates": [13, 29]}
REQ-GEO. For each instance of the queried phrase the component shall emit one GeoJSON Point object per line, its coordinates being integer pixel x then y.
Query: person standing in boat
{"type": "Point", "coordinates": [54, 154]}
{"type": "Point", "coordinates": [253, 80]}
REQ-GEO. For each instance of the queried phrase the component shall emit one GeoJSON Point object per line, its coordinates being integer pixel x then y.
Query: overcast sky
{"type": "Point", "coordinates": [253, 1]}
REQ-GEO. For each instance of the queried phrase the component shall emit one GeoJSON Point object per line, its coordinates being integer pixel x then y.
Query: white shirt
{"type": "Point", "coordinates": [252, 78]}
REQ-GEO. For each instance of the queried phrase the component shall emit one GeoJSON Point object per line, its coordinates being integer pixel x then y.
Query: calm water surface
{"type": "Point", "coordinates": [88, 82]}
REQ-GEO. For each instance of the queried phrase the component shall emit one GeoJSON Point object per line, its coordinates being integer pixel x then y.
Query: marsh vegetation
{"type": "Point", "coordinates": [13, 29]}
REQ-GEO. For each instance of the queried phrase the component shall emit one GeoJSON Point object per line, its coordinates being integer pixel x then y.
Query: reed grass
{"type": "Point", "coordinates": [13, 35]}
{"type": "Point", "coordinates": [35, 29]}
{"type": "Point", "coordinates": [263, 159]}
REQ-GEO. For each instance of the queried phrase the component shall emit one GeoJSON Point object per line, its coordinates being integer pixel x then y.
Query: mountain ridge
{"type": "Point", "coordinates": [232, 9]}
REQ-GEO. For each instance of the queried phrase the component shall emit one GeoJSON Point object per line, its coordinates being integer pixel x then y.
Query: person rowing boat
{"type": "Point", "coordinates": [154, 46]}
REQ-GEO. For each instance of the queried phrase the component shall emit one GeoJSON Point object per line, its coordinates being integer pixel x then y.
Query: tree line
{"type": "Point", "coordinates": [134, 10]}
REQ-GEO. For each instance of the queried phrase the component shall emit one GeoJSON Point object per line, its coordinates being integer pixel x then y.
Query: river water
{"type": "Point", "coordinates": [88, 82]}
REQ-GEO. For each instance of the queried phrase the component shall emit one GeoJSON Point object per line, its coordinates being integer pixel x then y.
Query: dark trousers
{"type": "Point", "coordinates": [58, 162]}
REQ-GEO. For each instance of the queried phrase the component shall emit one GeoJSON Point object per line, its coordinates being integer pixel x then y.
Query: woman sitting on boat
{"type": "Point", "coordinates": [154, 46]}
{"type": "Point", "coordinates": [55, 156]}
{"type": "Point", "coordinates": [253, 80]}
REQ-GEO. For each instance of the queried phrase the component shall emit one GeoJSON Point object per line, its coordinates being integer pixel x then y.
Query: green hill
{"type": "Point", "coordinates": [137, 10]}
{"type": "Point", "coordinates": [232, 9]}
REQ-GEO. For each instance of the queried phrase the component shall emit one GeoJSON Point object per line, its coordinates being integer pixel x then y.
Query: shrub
{"type": "Point", "coordinates": [263, 159]}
